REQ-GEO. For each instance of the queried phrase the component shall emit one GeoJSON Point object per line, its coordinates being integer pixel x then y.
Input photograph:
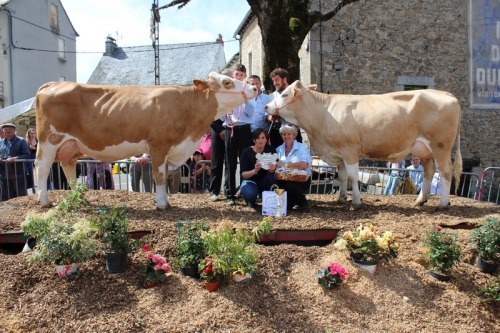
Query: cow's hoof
{"type": "Point", "coordinates": [420, 203]}
{"type": "Point", "coordinates": [357, 206]}
{"type": "Point", "coordinates": [161, 208]}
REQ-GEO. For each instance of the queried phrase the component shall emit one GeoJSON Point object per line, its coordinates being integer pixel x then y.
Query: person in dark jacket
{"type": "Point", "coordinates": [12, 175]}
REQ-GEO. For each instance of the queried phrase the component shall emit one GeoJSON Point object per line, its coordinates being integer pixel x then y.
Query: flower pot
{"type": "Point", "coordinates": [149, 284]}
{"type": "Point", "coordinates": [116, 262]}
{"type": "Point", "coordinates": [487, 266]}
{"type": "Point", "coordinates": [211, 285]}
{"type": "Point", "coordinates": [191, 271]}
{"type": "Point", "coordinates": [440, 277]}
{"type": "Point", "coordinates": [367, 265]}
{"type": "Point", "coordinates": [65, 270]}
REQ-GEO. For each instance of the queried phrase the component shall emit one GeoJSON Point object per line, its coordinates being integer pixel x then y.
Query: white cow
{"type": "Point", "coordinates": [344, 128]}
{"type": "Point", "coordinates": [111, 123]}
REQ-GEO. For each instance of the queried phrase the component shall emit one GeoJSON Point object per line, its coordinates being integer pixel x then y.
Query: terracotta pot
{"type": "Point", "coordinates": [211, 286]}
{"type": "Point", "coordinates": [440, 277]}
{"type": "Point", "coordinates": [487, 266]}
{"type": "Point", "coordinates": [149, 284]}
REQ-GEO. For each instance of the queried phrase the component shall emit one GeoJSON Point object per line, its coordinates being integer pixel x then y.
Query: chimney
{"type": "Point", "coordinates": [110, 45]}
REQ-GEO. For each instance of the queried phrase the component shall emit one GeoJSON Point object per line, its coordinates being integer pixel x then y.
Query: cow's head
{"type": "Point", "coordinates": [279, 106]}
{"type": "Point", "coordinates": [230, 93]}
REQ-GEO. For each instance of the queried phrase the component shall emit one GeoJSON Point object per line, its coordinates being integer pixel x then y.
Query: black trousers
{"type": "Point", "coordinates": [217, 165]}
{"type": "Point", "coordinates": [295, 191]}
{"type": "Point", "coordinates": [240, 139]}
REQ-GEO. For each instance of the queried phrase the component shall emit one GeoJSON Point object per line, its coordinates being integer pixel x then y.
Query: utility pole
{"type": "Point", "coordinates": [155, 26]}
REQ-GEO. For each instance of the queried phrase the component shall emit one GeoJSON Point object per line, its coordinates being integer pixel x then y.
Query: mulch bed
{"type": "Point", "coordinates": [283, 296]}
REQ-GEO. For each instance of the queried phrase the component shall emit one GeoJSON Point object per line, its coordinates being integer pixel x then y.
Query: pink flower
{"type": "Point", "coordinates": [157, 258]}
{"type": "Point", "coordinates": [146, 248]}
{"type": "Point", "coordinates": [166, 267]}
{"type": "Point", "coordinates": [150, 256]}
{"type": "Point", "coordinates": [338, 269]}
{"type": "Point", "coordinates": [157, 267]}
{"type": "Point", "coordinates": [438, 228]}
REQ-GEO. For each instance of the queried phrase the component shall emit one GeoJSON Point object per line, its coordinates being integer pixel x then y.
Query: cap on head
{"type": "Point", "coordinates": [8, 125]}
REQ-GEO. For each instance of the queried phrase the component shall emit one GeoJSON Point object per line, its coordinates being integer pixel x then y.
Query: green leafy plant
{"type": "Point", "coordinates": [263, 229]}
{"type": "Point", "coordinates": [190, 249]}
{"type": "Point", "coordinates": [491, 291]}
{"type": "Point", "coordinates": [486, 238]}
{"type": "Point", "coordinates": [113, 226]}
{"type": "Point", "coordinates": [75, 199]}
{"type": "Point", "coordinates": [231, 251]}
{"type": "Point", "coordinates": [443, 251]}
{"type": "Point", "coordinates": [61, 238]}
{"type": "Point", "coordinates": [332, 276]}
{"type": "Point", "coordinates": [367, 244]}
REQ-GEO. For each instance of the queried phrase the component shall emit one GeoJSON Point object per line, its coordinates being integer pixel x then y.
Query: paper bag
{"type": "Point", "coordinates": [270, 203]}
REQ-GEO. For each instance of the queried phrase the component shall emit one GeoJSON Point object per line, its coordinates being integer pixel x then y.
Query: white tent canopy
{"type": "Point", "coordinates": [11, 112]}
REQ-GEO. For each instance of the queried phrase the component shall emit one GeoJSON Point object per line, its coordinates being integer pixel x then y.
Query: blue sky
{"type": "Point", "coordinates": [128, 21]}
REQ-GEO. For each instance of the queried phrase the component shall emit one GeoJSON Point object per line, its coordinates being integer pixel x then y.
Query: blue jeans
{"type": "Point", "coordinates": [392, 184]}
{"type": "Point", "coordinates": [251, 190]}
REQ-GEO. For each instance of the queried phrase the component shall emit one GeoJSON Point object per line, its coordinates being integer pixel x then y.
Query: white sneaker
{"type": "Point", "coordinates": [214, 197]}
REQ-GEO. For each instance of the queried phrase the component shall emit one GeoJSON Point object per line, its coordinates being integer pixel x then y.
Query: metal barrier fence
{"type": "Point", "coordinates": [118, 176]}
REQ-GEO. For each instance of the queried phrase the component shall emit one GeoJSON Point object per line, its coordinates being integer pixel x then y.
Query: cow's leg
{"type": "Point", "coordinates": [353, 175]}
{"type": "Point", "coordinates": [45, 156]}
{"type": "Point", "coordinates": [429, 169]}
{"type": "Point", "coordinates": [446, 171]}
{"type": "Point", "coordinates": [343, 182]}
{"type": "Point", "coordinates": [159, 168]}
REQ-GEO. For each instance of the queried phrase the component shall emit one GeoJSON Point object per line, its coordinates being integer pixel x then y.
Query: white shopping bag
{"type": "Point", "coordinates": [270, 203]}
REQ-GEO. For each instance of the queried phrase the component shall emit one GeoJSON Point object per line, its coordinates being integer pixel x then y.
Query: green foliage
{"type": "Point", "coordinates": [112, 225]}
{"type": "Point", "coordinates": [263, 229]}
{"type": "Point", "coordinates": [486, 238]}
{"type": "Point", "coordinates": [61, 238]}
{"type": "Point", "coordinates": [75, 199]}
{"type": "Point", "coordinates": [491, 291]}
{"type": "Point", "coordinates": [443, 251]}
{"type": "Point", "coordinates": [231, 251]}
{"type": "Point", "coordinates": [327, 280]}
{"type": "Point", "coordinates": [190, 249]}
{"type": "Point", "coordinates": [208, 272]}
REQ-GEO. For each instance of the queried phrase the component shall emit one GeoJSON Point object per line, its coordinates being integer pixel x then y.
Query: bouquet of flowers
{"type": "Point", "coordinates": [332, 275]}
{"type": "Point", "coordinates": [367, 244]}
{"type": "Point", "coordinates": [156, 267]}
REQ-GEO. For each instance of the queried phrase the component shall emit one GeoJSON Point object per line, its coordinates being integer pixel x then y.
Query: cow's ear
{"type": "Point", "coordinates": [297, 87]}
{"type": "Point", "coordinates": [200, 84]}
{"type": "Point", "coordinates": [312, 87]}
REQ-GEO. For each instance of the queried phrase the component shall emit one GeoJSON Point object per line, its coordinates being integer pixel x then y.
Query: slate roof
{"type": "Point", "coordinates": [179, 64]}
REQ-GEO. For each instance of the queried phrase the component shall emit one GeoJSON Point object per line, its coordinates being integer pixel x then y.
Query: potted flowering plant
{"type": "Point", "coordinates": [332, 276]}
{"type": "Point", "coordinates": [367, 246]}
{"type": "Point", "coordinates": [155, 268]}
{"type": "Point", "coordinates": [486, 238]}
{"type": "Point", "coordinates": [443, 253]}
{"type": "Point", "coordinates": [210, 275]}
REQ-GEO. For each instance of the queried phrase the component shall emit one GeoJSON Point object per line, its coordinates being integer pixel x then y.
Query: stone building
{"type": "Point", "coordinates": [379, 46]}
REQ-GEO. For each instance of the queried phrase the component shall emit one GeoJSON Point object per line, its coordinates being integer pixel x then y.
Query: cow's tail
{"type": "Point", "coordinates": [457, 164]}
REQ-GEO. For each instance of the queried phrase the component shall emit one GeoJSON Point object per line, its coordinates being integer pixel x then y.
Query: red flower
{"type": "Point", "coordinates": [438, 228]}
{"type": "Point", "coordinates": [146, 248]}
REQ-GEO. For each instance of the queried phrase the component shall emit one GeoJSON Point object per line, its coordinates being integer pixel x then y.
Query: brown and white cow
{"type": "Point", "coordinates": [111, 123]}
{"type": "Point", "coordinates": [344, 128]}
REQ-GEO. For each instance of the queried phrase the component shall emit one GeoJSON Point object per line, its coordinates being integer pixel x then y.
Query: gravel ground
{"type": "Point", "coordinates": [283, 296]}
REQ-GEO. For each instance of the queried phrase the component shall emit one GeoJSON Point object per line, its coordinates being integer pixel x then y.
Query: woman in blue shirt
{"type": "Point", "coordinates": [294, 155]}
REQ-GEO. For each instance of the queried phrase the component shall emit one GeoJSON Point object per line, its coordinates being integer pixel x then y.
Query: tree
{"type": "Point", "coordinates": [284, 24]}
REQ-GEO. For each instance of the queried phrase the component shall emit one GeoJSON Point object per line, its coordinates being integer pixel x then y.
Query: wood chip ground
{"type": "Point", "coordinates": [283, 296]}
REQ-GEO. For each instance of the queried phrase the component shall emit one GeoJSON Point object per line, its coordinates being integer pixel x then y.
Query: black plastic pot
{"type": "Point", "coordinates": [116, 262]}
{"type": "Point", "coordinates": [440, 277]}
{"type": "Point", "coordinates": [487, 266]}
{"type": "Point", "coordinates": [191, 272]}
{"type": "Point", "coordinates": [363, 262]}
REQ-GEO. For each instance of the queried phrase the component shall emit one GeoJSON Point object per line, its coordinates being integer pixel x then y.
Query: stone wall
{"type": "Point", "coordinates": [377, 46]}
{"type": "Point", "coordinates": [251, 41]}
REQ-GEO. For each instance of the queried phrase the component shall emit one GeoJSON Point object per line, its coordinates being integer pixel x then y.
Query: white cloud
{"type": "Point", "coordinates": [199, 21]}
